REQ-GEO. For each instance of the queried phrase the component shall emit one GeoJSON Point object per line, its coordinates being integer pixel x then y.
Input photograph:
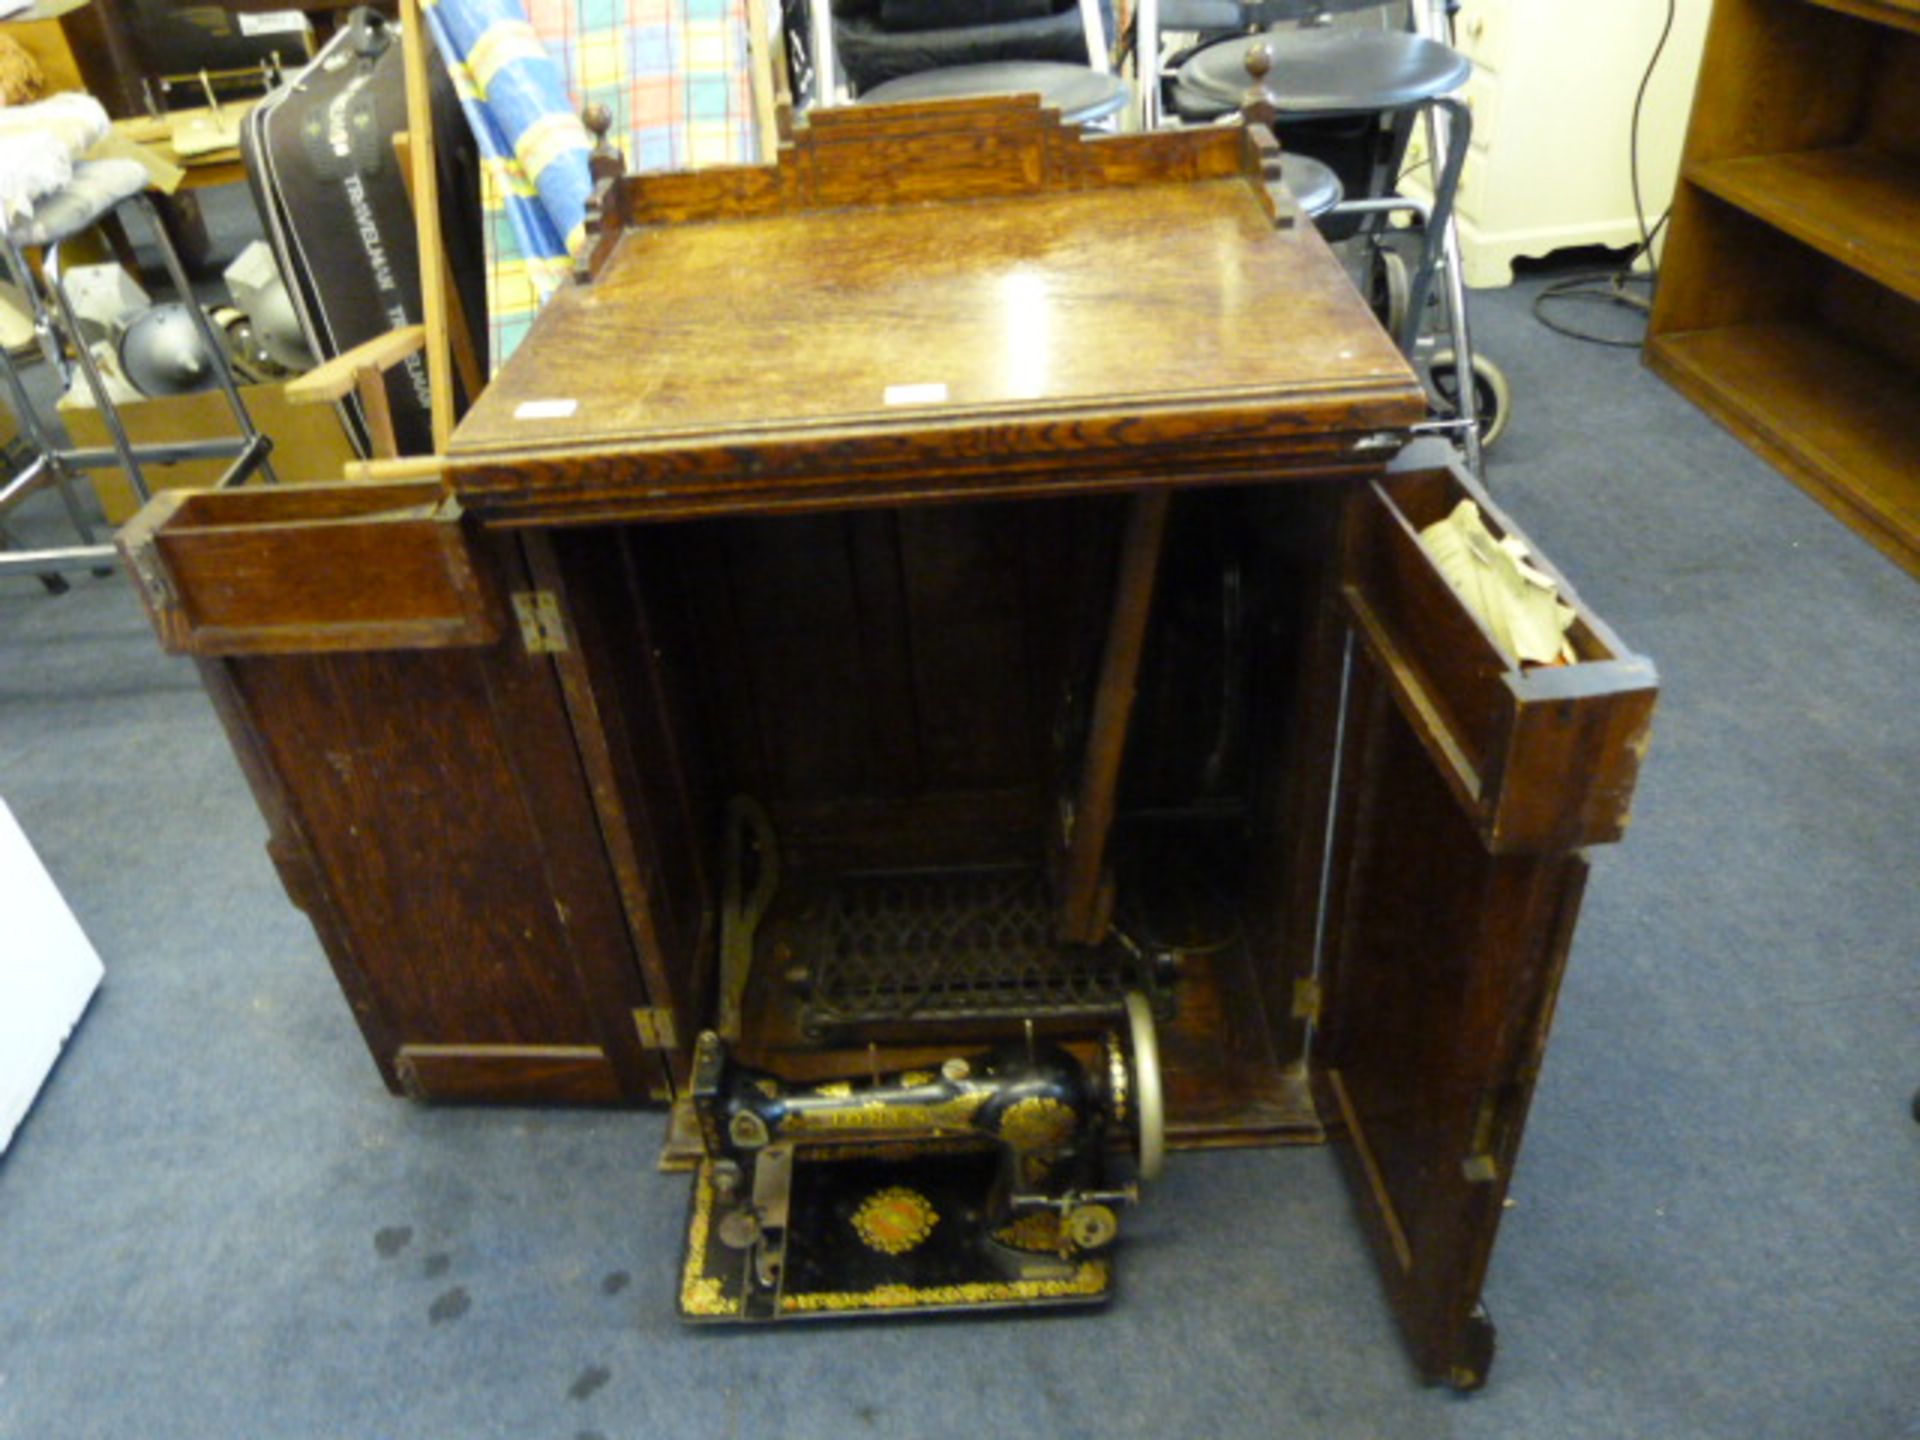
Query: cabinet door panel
{"type": "Point", "coordinates": [1453, 886]}
{"type": "Point", "coordinates": [425, 802]}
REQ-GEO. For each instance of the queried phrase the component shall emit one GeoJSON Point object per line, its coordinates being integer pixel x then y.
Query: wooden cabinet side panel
{"type": "Point", "coordinates": [435, 821]}
{"type": "Point", "coordinates": [1439, 986]}
{"type": "Point", "coordinates": [293, 859]}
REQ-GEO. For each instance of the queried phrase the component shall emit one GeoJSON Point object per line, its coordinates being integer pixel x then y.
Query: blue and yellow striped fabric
{"type": "Point", "coordinates": [673, 72]}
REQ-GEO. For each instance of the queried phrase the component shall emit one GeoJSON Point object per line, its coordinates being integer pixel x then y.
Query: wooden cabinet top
{"type": "Point", "coordinates": [960, 300]}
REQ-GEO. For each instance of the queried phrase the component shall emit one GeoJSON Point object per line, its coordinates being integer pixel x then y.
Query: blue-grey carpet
{"type": "Point", "coordinates": [217, 1223]}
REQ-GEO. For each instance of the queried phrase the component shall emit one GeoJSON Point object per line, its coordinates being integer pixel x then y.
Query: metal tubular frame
{"type": "Point", "coordinates": [1449, 132]}
{"type": "Point", "coordinates": [250, 449]}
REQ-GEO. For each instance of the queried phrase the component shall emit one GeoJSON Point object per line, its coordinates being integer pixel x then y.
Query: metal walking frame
{"type": "Point", "coordinates": [57, 328]}
{"type": "Point", "coordinates": [1448, 125]}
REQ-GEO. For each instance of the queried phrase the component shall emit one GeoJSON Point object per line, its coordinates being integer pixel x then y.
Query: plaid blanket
{"type": "Point", "coordinates": [673, 72]}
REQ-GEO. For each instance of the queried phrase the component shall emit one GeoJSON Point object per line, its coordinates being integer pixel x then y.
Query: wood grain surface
{"type": "Point", "coordinates": [945, 345]}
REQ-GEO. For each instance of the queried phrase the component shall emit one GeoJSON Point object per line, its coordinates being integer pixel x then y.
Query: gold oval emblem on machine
{"type": "Point", "coordinates": [894, 1220]}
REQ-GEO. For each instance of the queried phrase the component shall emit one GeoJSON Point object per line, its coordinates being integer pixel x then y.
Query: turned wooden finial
{"type": "Point", "coordinates": [1258, 104]}
{"type": "Point", "coordinates": [1259, 109]}
{"type": "Point", "coordinates": [606, 161]}
{"type": "Point", "coordinates": [606, 206]}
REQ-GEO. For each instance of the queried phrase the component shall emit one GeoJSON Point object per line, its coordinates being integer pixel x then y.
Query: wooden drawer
{"type": "Point", "coordinates": [302, 569]}
{"type": "Point", "coordinates": [1541, 757]}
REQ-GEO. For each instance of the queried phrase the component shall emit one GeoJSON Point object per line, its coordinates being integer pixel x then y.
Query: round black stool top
{"type": "Point", "coordinates": [1216, 15]}
{"type": "Point", "coordinates": [1314, 186]}
{"type": "Point", "coordinates": [1080, 94]}
{"type": "Point", "coordinates": [1331, 72]}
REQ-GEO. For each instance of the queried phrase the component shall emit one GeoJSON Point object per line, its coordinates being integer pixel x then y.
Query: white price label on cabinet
{"type": "Point", "coordinates": [545, 409]}
{"type": "Point", "coordinates": [934, 393]}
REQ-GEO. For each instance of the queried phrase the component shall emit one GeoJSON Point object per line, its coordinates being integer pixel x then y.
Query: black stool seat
{"type": "Point", "coordinates": [1209, 16]}
{"type": "Point", "coordinates": [1315, 187]}
{"type": "Point", "coordinates": [1192, 104]}
{"type": "Point", "coordinates": [871, 54]}
{"type": "Point", "coordinates": [1080, 94]}
{"type": "Point", "coordinates": [1329, 72]}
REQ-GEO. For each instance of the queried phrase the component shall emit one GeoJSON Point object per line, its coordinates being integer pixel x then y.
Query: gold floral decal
{"type": "Point", "coordinates": [1089, 1278]}
{"type": "Point", "coordinates": [1037, 1231]}
{"type": "Point", "coordinates": [1038, 1122]}
{"type": "Point", "coordinates": [701, 1294]}
{"type": "Point", "coordinates": [895, 1220]}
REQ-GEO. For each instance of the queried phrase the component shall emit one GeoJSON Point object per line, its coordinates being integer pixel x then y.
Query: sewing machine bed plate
{"type": "Point", "coordinates": [846, 1216]}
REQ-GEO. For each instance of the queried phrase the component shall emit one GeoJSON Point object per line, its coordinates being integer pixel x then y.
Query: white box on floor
{"type": "Point", "coordinates": [48, 972]}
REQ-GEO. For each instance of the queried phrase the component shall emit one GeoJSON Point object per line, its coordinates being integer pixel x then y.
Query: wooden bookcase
{"type": "Point", "coordinates": [1789, 304]}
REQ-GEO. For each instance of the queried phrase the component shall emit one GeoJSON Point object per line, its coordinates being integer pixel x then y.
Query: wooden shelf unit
{"type": "Point", "coordinates": [1789, 304]}
{"type": "Point", "coordinates": [1903, 13]}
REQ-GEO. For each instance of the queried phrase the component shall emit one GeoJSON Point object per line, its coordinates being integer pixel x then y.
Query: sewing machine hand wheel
{"type": "Point", "coordinates": [1150, 1124]}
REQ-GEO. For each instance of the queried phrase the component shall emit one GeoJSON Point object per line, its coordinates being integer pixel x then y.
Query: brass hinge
{"type": "Point", "coordinates": [656, 1028]}
{"type": "Point", "coordinates": [542, 629]}
{"type": "Point", "coordinates": [1480, 1167]}
{"type": "Point", "coordinates": [1306, 999]}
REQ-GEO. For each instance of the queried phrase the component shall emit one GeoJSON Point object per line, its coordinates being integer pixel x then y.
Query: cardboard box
{"type": "Point", "coordinates": [309, 442]}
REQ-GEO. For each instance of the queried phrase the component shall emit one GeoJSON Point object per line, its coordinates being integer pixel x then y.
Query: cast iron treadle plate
{"type": "Point", "coordinates": [832, 1273]}
{"type": "Point", "coordinates": [973, 944]}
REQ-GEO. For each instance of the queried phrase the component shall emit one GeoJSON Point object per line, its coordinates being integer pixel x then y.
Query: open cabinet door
{"type": "Point", "coordinates": [1467, 786]}
{"type": "Point", "coordinates": [386, 679]}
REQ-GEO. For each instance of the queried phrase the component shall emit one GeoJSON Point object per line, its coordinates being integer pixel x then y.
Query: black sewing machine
{"type": "Point", "coordinates": [992, 1181]}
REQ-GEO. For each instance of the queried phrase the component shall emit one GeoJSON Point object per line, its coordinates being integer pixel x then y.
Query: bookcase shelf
{"type": "Point", "coordinates": [1835, 416]}
{"type": "Point", "coordinates": [1789, 302]}
{"type": "Point", "coordinates": [1854, 204]}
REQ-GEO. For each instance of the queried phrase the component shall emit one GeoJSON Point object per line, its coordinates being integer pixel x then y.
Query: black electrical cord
{"type": "Point", "coordinates": [1611, 288]}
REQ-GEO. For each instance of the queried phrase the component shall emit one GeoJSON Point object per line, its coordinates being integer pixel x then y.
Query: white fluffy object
{"type": "Point", "coordinates": [40, 142]}
{"type": "Point", "coordinates": [96, 187]}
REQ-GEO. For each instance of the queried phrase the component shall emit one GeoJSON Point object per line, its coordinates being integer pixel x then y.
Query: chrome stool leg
{"type": "Point", "coordinates": [90, 371]}
{"type": "Point", "coordinates": [60, 326]}
{"type": "Point", "coordinates": [32, 426]}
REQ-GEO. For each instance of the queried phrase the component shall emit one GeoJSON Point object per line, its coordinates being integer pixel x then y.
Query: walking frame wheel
{"type": "Point", "coordinates": [1387, 288]}
{"type": "Point", "coordinates": [1492, 393]}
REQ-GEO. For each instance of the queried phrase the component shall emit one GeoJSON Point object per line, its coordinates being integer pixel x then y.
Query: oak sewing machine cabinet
{"type": "Point", "coordinates": [895, 606]}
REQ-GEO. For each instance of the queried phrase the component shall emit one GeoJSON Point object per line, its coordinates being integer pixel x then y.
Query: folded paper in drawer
{"type": "Point", "coordinates": [1519, 605]}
